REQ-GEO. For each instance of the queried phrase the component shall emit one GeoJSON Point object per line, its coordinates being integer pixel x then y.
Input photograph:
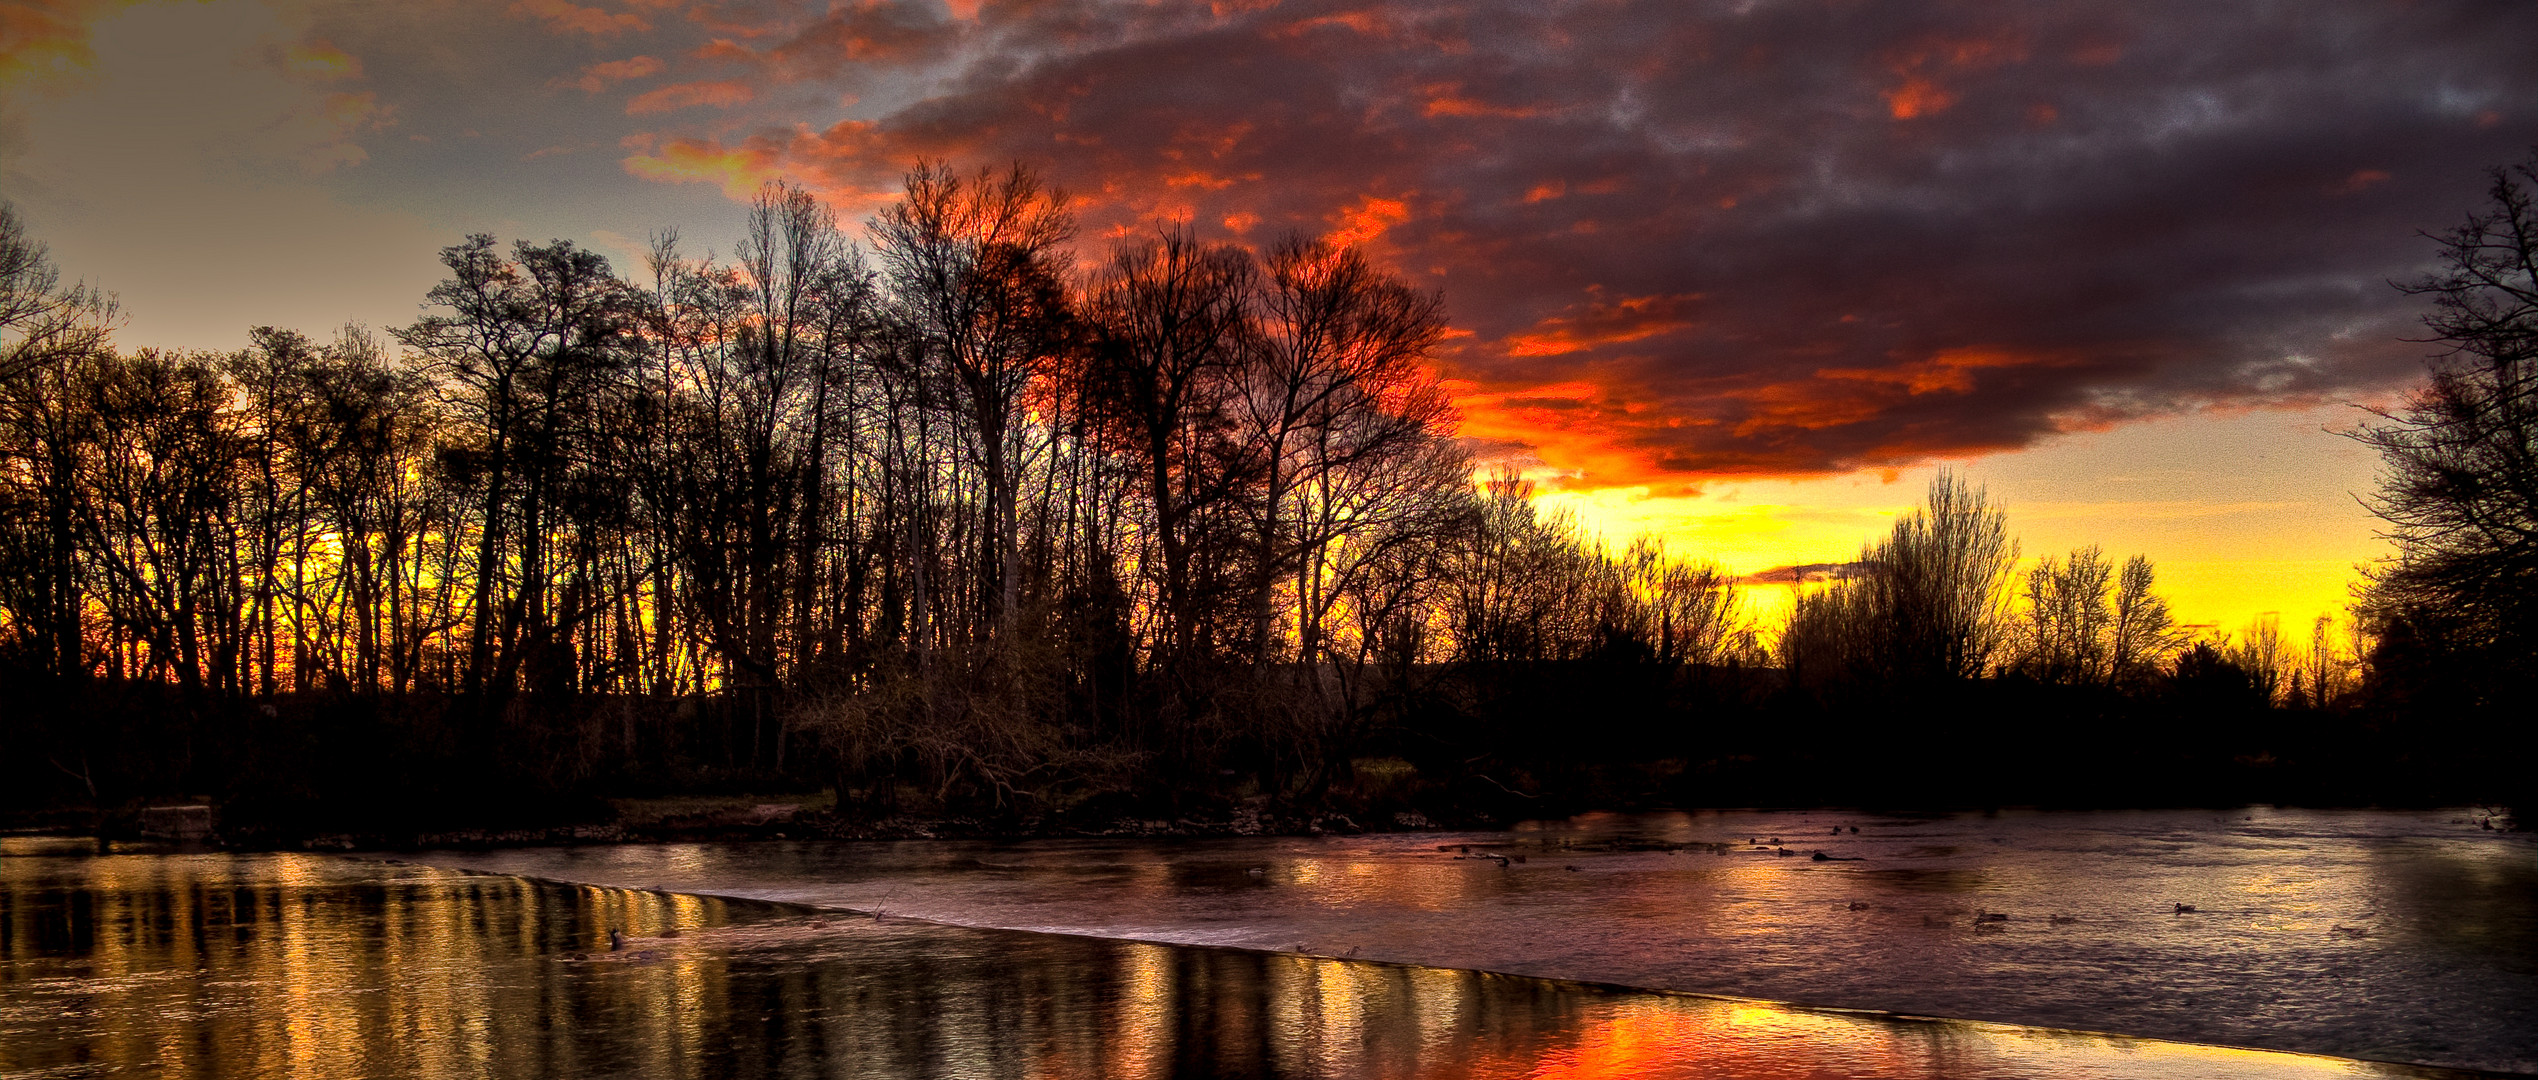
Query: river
{"type": "Point", "coordinates": [2404, 937]}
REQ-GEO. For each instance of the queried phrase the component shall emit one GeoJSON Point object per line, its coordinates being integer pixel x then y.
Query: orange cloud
{"type": "Point", "coordinates": [856, 32]}
{"type": "Point", "coordinates": [596, 77]}
{"type": "Point", "coordinates": [1369, 23]}
{"type": "Point", "coordinates": [850, 164]}
{"type": "Point", "coordinates": [1202, 180]}
{"type": "Point", "coordinates": [1917, 97]}
{"type": "Point", "coordinates": [320, 60]}
{"type": "Point", "coordinates": [322, 131]}
{"type": "Point", "coordinates": [1631, 319]}
{"type": "Point", "coordinates": [723, 94]}
{"type": "Point", "coordinates": [1834, 297]}
{"type": "Point", "coordinates": [1801, 406]}
{"type": "Point", "coordinates": [48, 37]}
{"type": "Point", "coordinates": [1608, 430]}
{"type": "Point", "coordinates": [566, 17]}
{"type": "Point", "coordinates": [1569, 434]}
{"type": "Point", "coordinates": [738, 172]}
{"type": "Point", "coordinates": [1919, 94]}
{"type": "Point", "coordinates": [1453, 104]}
{"type": "Point", "coordinates": [1367, 220]}
{"type": "Point", "coordinates": [1951, 371]}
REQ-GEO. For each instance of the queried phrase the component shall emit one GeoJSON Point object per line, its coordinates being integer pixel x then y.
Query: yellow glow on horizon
{"type": "Point", "coordinates": [2242, 514]}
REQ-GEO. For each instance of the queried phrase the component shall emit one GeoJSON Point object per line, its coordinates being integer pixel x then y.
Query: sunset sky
{"type": "Point", "coordinates": [1742, 273]}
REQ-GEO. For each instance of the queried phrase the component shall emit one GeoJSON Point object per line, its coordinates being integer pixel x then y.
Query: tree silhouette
{"type": "Point", "coordinates": [1929, 604]}
{"type": "Point", "coordinates": [966, 527]}
{"type": "Point", "coordinates": [2459, 464]}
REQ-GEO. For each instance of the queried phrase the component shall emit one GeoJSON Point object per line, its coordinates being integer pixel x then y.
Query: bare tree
{"type": "Point", "coordinates": [1339, 382]}
{"type": "Point", "coordinates": [963, 522]}
{"type": "Point", "coordinates": [42, 321]}
{"type": "Point", "coordinates": [1943, 578]}
{"type": "Point", "coordinates": [526, 345]}
{"type": "Point", "coordinates": [2084, 623]}
{"type": "Point", "coordinates": [2459, 460]}
{"type": "Point", "coordinates": [2143, 636]}
{"type": "Point", "coordinates": [46, 332]}
{"type": "Point", "coordinates": [2260, 651]}
{"type": "Point", "coordinates": [1689, 611]}
{"type": "Point", "coordinates": [1172, 321]}
{"type": "Point", "coordinates": [1929, 603]}
{"type": "Point", "coordinates": [161, 517]}
{"type": "Point", "coordinates": [2061, 637]}
{"type": "Point", "coordinates": [973, 272]}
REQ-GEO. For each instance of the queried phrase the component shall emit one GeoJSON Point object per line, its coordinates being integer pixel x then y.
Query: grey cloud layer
{"type": "Point", "coordinates": [1755, 237]}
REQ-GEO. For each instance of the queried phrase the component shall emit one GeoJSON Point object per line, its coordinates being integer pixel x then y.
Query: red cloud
{"type": "Point", "coordinates": [1366, 220]}
{"type": "Point", "coordinates": [566, 17]}
{"type": "Point", "coordinates": [1449, 100]}
{"type": "Point", "coordinates": [1679, 243]}
{"type": "Point", "coordinates": [858, 32]}
{"type": "Point", "coordinates": [1917, 97]}
{"type": "Point", "coordinates": [41, 36]}
{"type": "Point", "coordinates": [689, 95]}
{"type": "Point", "coordinates": [1950, 371]}
{"type": "Point", "coordinates": [596, 77]}
{"type": "Point", "coordinates": [1631, 319]}
{"type": "Point", "coordinates": [1920, 94]}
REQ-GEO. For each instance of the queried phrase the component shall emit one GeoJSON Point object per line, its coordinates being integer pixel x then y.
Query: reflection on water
{"type": "Point", "coordinates": [310, 966]}
{"type": "Point", "coordinates": [2395, 936]}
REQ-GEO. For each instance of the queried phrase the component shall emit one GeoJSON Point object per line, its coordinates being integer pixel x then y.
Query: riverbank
{"type": "Point", "coordinates": [1480, 746]}
{"type": "Point", "coordinates": [693, 819]}
{"type": "Point", "coordinates": [794, 817]}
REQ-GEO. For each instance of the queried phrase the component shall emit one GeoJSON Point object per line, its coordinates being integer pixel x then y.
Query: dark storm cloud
{"type": "Point", "coordinates": [1735, 238]}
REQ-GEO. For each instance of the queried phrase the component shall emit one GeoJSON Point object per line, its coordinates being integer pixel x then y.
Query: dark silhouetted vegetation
{"type": "Point", "coordinates": [2454, 614]}
{"type": "Point", "coordinates": [958, 527]}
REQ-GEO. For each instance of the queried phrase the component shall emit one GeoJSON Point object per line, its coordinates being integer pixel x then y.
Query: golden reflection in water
{"type": "Point", "coordinates": [1342, 882]}
{"type": "Point", "coordinates": [1675, 1038]}
{"type": "Point", "coordinates": [278, 965]}
{"type": "Point", "coordinates": [1438, 995]}
{"type": "Point", "coordinates": [308, 967]}
{"type": "Point", "coordinates": [1145, 1037]}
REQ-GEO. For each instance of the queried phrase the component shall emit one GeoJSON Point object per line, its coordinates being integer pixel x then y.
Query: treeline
{"type": "Point", "coordinates": [2453, 616]}
{"type": "Point", "coordinates": [949, 513]}
{"type": "Point", "coordinates": [1941, 600]}
{"type": "Point", "coordinates": [1941, 668]}
{"type": "Point", "coordinates": [966, 523]}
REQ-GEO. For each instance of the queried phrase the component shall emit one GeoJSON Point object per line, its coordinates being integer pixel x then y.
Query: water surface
{"type": "Point", "coordinates": [289, 965]}
{"type": "Point", "coordinates": [2390, 935]}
